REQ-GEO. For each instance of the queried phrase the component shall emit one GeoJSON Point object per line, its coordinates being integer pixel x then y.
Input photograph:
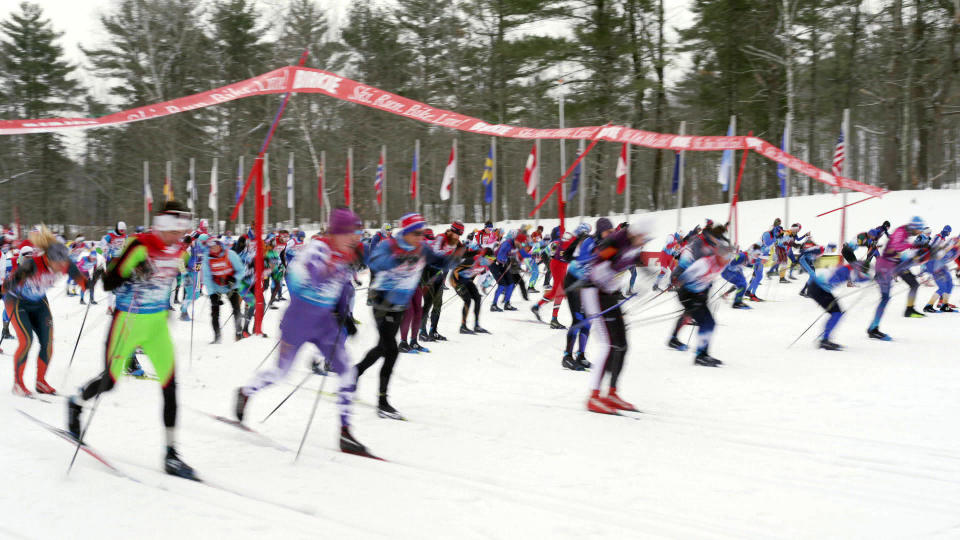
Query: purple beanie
{"type": "Point", "coordinates": [343, 221]}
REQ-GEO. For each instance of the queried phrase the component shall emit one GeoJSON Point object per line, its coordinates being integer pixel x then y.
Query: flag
{"type": "Point", "coordinates": [531, 176]}
{"type": "Point", "coordinates": [449, 175]}
{"type": "Point", "coordinates": [191, 190]}
{"type": "Point", "coordinates": [726, 164]}
{"type": "Point", "coordinates": [346, 184]}
{"type": "Point", "coordinates": [212, 203]}
{"type": "Point", "coordinates": [167, 189]}
{"type": "Point", "coordinates": [290, 186]}
{"type": "Point", "coordinates": [675, 184]}
{"type": "Point", "coordinates": [839, 154]}
{"type": "Point", "coordinates": [148, 195]}
{"type": "Point", "coordinates": [487, 178]}
{"type": "Point", "coordinates": [378, 181]}
{"type": "Point", "coordinates": [575, 179]}
{"type": "Point", "coordinates": [622, 170]}
{"type": "Point", "coordinates": [781, 168]}
{"type": "Point", "coordinates": [413, 175]}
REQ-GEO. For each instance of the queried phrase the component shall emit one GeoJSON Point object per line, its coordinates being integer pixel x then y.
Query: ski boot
{"type": "Point", "coordinates": [947, 308]}
{"type": "Point", "coordinates": [175, 466]}
{"type": "Point", "coordinates": [73, 416]}
{"type": "Point", "coordinates": [20, 389]}
{"type": "Point", "coordinates": [477, 329]}
{"type": "Point", "coordinates": [184, 316]}
{"type": "Point", "coordinates": [536, 311]}
{"type": "Point", "coordinates": [465, 330]}
{"type": "Point", "coordinates": [569, 363]}
{"type": "Point", "coordinates": [216, 337]}
{"type": "Point", "coordinates": [241, 404]}
{"type": "Point", "coordinates": [416, 347]}
{"type": "Point", "coordinates": [555, 324]}
{"type": "Point", "coordinates": [435, 336]}
{"type": "Point", "coordinates": [875, 333]}
{"type": "Point", "coordinates": [423, 335]}
{"type": "Point", "coordinates": [43, 387]}
{"type": "Point", "coordinates": [828, 345]}
{"type": "Point", "coordinates": [81, 301]}
{"type": "Point", "coordinates": [403, 347]}
{"type": "Point", "coordinates": [784, 280]}
{"type": "Point", "coordinates": [6, 332]}
{"type": "Point", "coordinates": [509, 307]}
{"type": "Point", "coordinates": [319, 368]}
{"type": "Point", "coordinates": [912, 313]}
{"type": "Point", "coordinates": [753, 297]}
{"type": "Point", "coordinates": [598, 404]}
{"type": "Point", "coordinates": [494, 307]}
{"type": "Point", "coordinates": [350, 445]}
{"type": "Point", "coordinates": [617, 403]}
{"type": "Point", "coordinates": [385, 410]}
{"type": "Point", "coordinates": [532, 290]}
{"type": "Point", "coordinates": [582, 361]}
{"type": "Point", "coordinates": [929, 309]}
{"type": "Point", "coordinates": [134, 369]}
{"type": "Point", "coordinates": [704, 359]}
{"type": "Point", "coordinates": [741, 305]}
{"type": "Point", "coordinates": [676, 344]}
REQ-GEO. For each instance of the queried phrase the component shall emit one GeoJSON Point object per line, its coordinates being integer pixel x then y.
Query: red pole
{"type": "Point", "coordinates": [846, 205]}
{"type": "Point", "coordinates": [258, 238]}
{"type": "Point", "coordinates": [570, 169]}
{"type": "Point", "coordinates": [736, 196]}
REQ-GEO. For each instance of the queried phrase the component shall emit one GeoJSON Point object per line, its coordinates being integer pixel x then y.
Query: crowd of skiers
{"type": "Point", "coordinates": [594, 267]}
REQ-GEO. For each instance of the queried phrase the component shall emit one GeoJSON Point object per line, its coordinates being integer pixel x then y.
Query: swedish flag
{"type": "Point", "coordinates": [487, 178]}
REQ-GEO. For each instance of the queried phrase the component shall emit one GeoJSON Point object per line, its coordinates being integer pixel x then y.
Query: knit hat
{"type": "Point", "coordinates": [343, 221]}
{"type": "Point", "coordinates": [457, 227]}
{"type": "Point", "coordinates": [603, 224]}
{"type": "Point", "coordinates": [411, 222]}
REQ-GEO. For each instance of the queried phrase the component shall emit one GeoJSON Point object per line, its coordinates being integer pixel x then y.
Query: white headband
{"type": "Point", "coordinates": [169, 222]}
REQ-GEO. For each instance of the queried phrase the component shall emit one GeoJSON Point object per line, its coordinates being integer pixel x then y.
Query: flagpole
{"type": "Point", "coordinates": [240, 230]}
{"type": "Point", "coordinates": [563, 142]}
{"type": "Point", "coordinates": [626, 198]}
{"type": "Point", "coordinates": [215, 193]}
{"type": "Point", "coordinates": [416, 186]}
{"type": "Point", "coordinates": [193, 189]}
{"type": "Point", "coordinates": [787, 136]}
{"type": "Point", "coordinates": [847, 151]}
{"type": "Point", "coordinates": [168, 182]}
{"type": "Point", "coordinates": [291, 199]}
{"type": "Point", "coordinates": [146, 183]}
{"type": "Point", "coordinates": [536, 145]}
{"type": "Point", "coordinates": [456, 162]}
{"type": "Point", "coordinates": [323, 188]}
{"type": "Point", "coordinates": [583, 182]}
{"type": "Point", "coordinates": [350, 176]}
{"type": "Point", "coordinates": [683, 130]}
{"type": "Point", "coordinates": [493, 180]}
{"type": "Point", "coordinates": [265, 173]}
{"type": "Point", "coordinates": [383, 186]}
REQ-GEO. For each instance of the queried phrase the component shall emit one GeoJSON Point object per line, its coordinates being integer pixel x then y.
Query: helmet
{"type": "Point", "coordinates": [946, 230]}
{"type": "Point", "coordinates": [583, 228]}
{"type": "Point", "coordinates": [916, 224]}
{"type": "Point", "coordinates": [121, 226]}
{"type": "Point", "coordinates": [139, 229]}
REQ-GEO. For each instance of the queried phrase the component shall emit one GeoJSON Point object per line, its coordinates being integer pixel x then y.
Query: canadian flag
{"type": "Point", "coordinates": [449, 175]}
{"type": "Point", "coordinates": [531, 174]}
{"type": "Point", "coordinates": [148, 194]}
{"type": "Point", "coordinates": [622, 170]}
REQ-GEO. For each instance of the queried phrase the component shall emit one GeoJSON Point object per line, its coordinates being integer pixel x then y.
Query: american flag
{"type": "Point", "coordinates": [378, 182]}
{"type": "Point", "coordinates": [838, 156]}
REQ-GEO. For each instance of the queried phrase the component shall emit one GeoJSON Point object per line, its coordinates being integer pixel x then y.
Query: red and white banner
{"type": "Point", "coordinates": [531, 173]}
{"type": "Point", "coordinates": [306, 80]}
{"type": "Point", "coordinates": [622, 170]}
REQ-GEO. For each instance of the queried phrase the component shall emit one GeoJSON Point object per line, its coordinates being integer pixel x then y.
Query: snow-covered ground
{"type": "Point", "coordinates": [778, 443]}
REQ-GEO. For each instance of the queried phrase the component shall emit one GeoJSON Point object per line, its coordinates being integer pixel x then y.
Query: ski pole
{"type": "Point", "coordinates": [835, 300]}
{"type": "Point", "coordinates": [275, 345]}
{"type": "Point", "coordinates": [313, 412]}
{"type": "Point", "coordinates": [75, 345]}
{"type": "Point", "coordinates": [611, 308]}
{"type": "Point", "coordinates": [292, 392]}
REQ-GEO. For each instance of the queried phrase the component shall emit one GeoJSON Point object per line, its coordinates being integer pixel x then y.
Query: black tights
{"type": "Point", "coordinates": [617, 334]}
{"type": "Point", "coordinates": [215, 302]}
{"type": "Point", "coordinates": [468, 291]}
{"type": "Point", "coordinates": [432, 302]}
{"type": "Point", "coordinates": [388, 322]}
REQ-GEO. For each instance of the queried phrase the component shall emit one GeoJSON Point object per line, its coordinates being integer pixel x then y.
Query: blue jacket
{"type": "Point", "coordinates": [238, 269]}
{"type": "Point", "coordinates": [398, 267]}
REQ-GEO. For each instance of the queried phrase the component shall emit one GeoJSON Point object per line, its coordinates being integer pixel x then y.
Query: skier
{"type": "Point", "coordinates": [142, 275]}
{"type": "Point", "coordinates": [320, 282]}
{"type": "Point", "coordinates": [896, 259]}
{"type": "Point", "coordinates": [222, 270]}
{"type": "Point", "coordinates": [398, 262]}
{"type": "Point", "coordinates": [92, 266]}
{"type": "Point", "coordinates": [509, 256]}
{"type": "Point", "coordinates": [582, 253]}
{"type": "Point", "coordinates": [819, 289]}
{"type": "Point", "coordinates": [433, 278]}
{"type": "Point", "coordinates": [558, 271]}
{"type": "Point", "coordinates": [473, 263]}
{"type": "Point", "coordinates": [25, 300]}
{"type": "Point", "coordinates": [945, 252]}
{"type": "Point", "coordinates": [734, 274]}
{"type": "Point", "coordinates": [700, 261]}
{"type": "Point", "coordinates": [602, 302]}
{"type": "Point", "coordinates": [110, 245]}
{"type": "Point", "coordinates": [668, 257]}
